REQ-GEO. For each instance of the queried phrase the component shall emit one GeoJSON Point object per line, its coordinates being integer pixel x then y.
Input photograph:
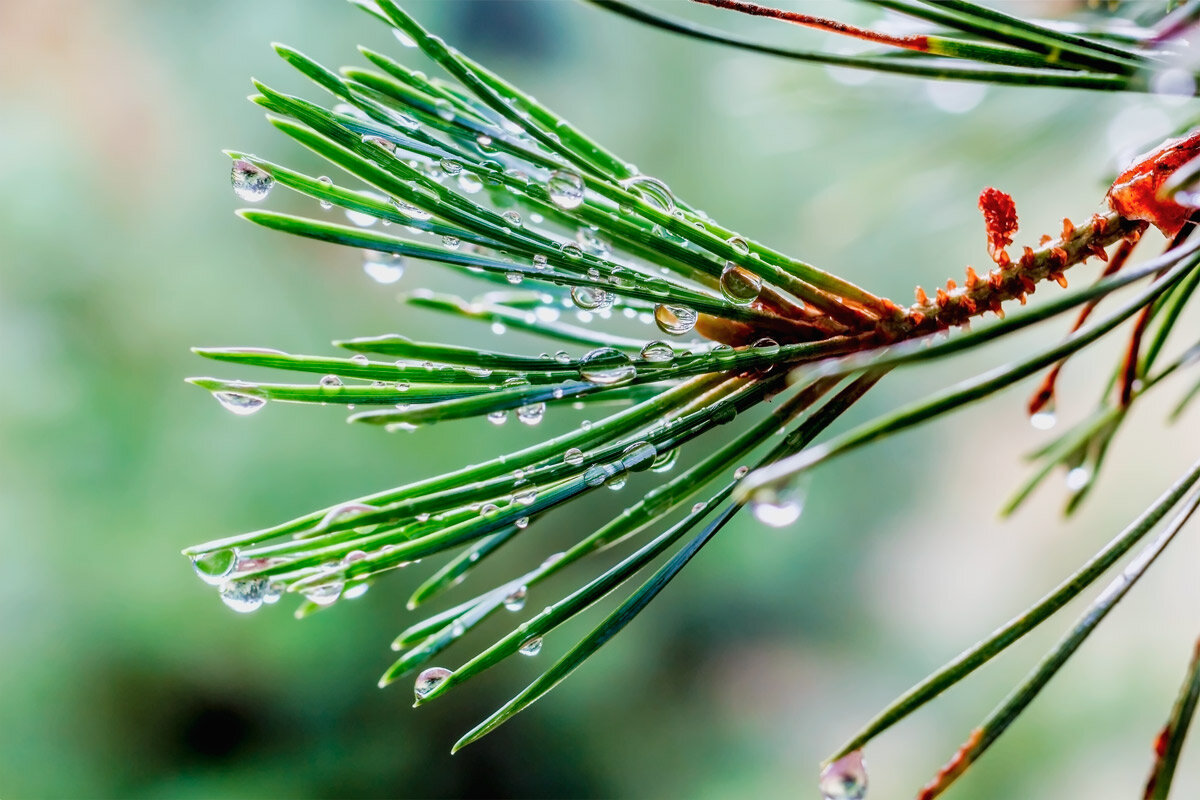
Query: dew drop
{"type": "Point", "coordinates": [243, 596]}
{"type": "Point", "coordinates": [383, 268]}
{"type": "Point", "coordinates": [512, 218]}
{"type": "Point", "coordinates": [411, 211]}
{"type": "Point", "coordinates": [239, 403]}
{"type": "Point", "coordinates": [844, 779]}
{"type": "Point", "coordinates": [674, 320]}
{"type": "Point", "coordinates": [767, 346]}
{"type": "Point", "coordinates": [565, 189]}
{"type": "Point", "coordinates": [574, 457]}
{"type": "Point", "coordinates": [525, 497]}
{"type": "Point", "coordinates": [429, 680]}
{"type": "Point", "coordinates": [450, 166]}
{"type": "Point", "coordinates": [738, 243]}
{"type": "Point", "coordinates": [522, 523]}
{"type": "Point", "coordinates": [740, 472]}
{"type": "Point", "coordinates": [531, 647]}
{"type": "Point", "coordinates": [214, 567]}
{"type": "Point", "coordinates": [639, 456]}
{"type": "Point", "coordinates": [326, 182]}
{"type": "Point", "coordinates": [606, 366]}
{"type": "Point", "coordinates": [451, 242]}
{"type": "Point", "coordinates": [250, 183]}
{"type": "Point", "coordinates": [740, 286]}
{"type": "Point", "coordinates": [325, 594]}
{"type": "Point", "coordinates": [516, 599]}
{"type": "Point", "coordinates": [777, 507]}
{"type": "Point", "coordinates": [1078, 478]}
{"type": "Point", "coordinates": [331, 380]}
{"type": "Point", "coordinates": [652, 190]}
{"type": "Point", "coordinates": [658, 352]}
{"type": "Point", "coordinates": [498, 417]}
{"type": "Point", "coordinates": [665, 461]}
{"type": "Point", "coordinates": [355, 590]}
{"type": "Point", "coordinates": [590, 298]}
{"type": "Point", "coordinates": [595, 475]}
{"type": "Point", "coordinates": [1044, 419]}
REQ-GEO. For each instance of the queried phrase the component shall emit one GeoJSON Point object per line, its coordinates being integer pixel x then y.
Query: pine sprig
{"type": "Point", "coordinates": [475, 176]}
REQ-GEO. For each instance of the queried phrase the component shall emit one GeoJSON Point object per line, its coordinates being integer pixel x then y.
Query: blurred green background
{"type": "Point", "coordinates": [121, 675]}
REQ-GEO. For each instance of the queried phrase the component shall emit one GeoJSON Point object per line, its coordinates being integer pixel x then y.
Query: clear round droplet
{"type": "Point", "coordinates": [740, 286]}
{"type": "Point", "coordinates": [565, 189]}
{"type": "Point", "coordinates": [574, 457]}
{"type": "Point", "coordinates": [429, 680]}
{"type": "Point", "coordinates": [325, 594]}
{"type": "Point", "coordinates": [1078, 478]}
{"type": "Point", "coordinates": [658, 352]}
{"type": "Point", "coordinates": [451, 242]}
{"type": "Point", "coordinates": [240, 403]}
{"type": "Point", "coordinates": [512, 218]}
{"type": "Point", "coordinates": [606, 366]}
{"type": "Point", "coordinates": [740, 472]}
{"type": "Point", "coordinates": [639, 456]}
{"type": "Point", "coordinates": [214, 567]}
{"type": "Point", "coordinates": [450, 166]}
{"type": "Point", "coordinates": [516, 599]}
{"type": "Point", "coordinates": [331, 380]}
{"type": "Point", "coordinates": [738, 243]}
{"type": "Point", "coordinates": [590, 298]}
{"type": "Point", "coordinates": [674, 320]}
{"type": "Point", "coordinates": [250, 183]}
{"type": "Point", "coordinates": [777, 507]}
{"type": "Point", "coordinates": [652, 190]}
{"type": "Point", "coordinates": [531, 647]}
{"type": "Point", "coordinates": [327, 182]}
{"type": "Point", "coordinates": [844, 779]}
{"type": "Point", "coordinates": [1044, 419]}
{"type": "Point", "coordinates": [595, 475]}
{"type": "Point", "coordinates": [665, 461]}
{"type": "Point", "coordinates": [243, 596]}
{"type": "Point", "coordinates": [383, 268]}
{"type": "Point", "coordinates": [498, 417]}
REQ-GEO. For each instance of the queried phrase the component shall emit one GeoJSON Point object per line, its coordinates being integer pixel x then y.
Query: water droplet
{"type": "Point", "coordinates": [574, 457]}
{"type": "Point", "coordinates": [522, 522]}
{"type": "Point", "coordinates": [565, 189]}
{"type": "Point", "coordinates": [675, 320]}
{"type": "Point", "coordinates": [658, 352]}
{"type": "Point", "coordinates": [451, 242]}
{"type": "Point", "coordinates": [767, 346]}
{"type": "Point", "coordinates": [325, 594]}
{"type": "Point", "coordinates": [516, 599]}
{"type": "Point", "coordinates": [606, 366]}
{"type": "Point", "coordinates": [386, 145]}
{"type": "Point", "coordinates": [552, 559]}
{"type": "Point", "coordinates": [331, 380]}
{"type": "Point", "coordinates": [243, 596]}
{"type": "Point", "coordinates": [478, 372]}
{"type": "Point", "coordinates": [498, 417]}
{"type": "Point", "coordinates": [486, 510]}
{"type": "Point", "coordinates": [1078, 478]}
{"type": "Point", "coordinates": [738, 243]}
{"type": "Point", "coordinates": [531, 647]}
{"type": "Point", "coordinates": [665, 461]}
{"type": "Point", "coordinates": [240, 403]}
{"type": "Point", "coordinates": [740, 286]}
{"type": "Point", "coordinates": [360, 359]}
{"type": "Point", "coordinates": [355, 590]}
{"type": "Point", "coordinates": [250, 183]}
{"type": "Point", "coordinates": [697, 507]}
{"type": "Point", "coordinates": [777, 507]}
{"type": "Point", "coordinates": [450, 166]}
{"type": "Point", "coordinates": [651, 190]}
{"type": "Point", "coordinates": [326, 182]}
{"type": "Point", "coordinates": [273, 593]}
{"type": "Point", "coordinates": [639, 456]}
{"type": "Point", "coordinates": [352, 557]}
{"type": "Point", "coordinates": [571, 250]}
{"type": "Point", "coordinates": [429, 679]}
{"type": "Point", "coordinates": [1044, 419]}
{"type": "Point", "coordinates": [590, 298]}
{"type": "Point", "coordinates": [844, 779]}
{"type": "Point", "coordinates": [383, 268]}
{"type": "Point", "coordinates": [214, 567]}
{"type": "Point", "coordinates": [512, 218]}
{"type": "Point", "coordinates": [740, 472]}
{"type": "Point", "coordinates": [525, 497]}
{"type": "Point", "coordinates": [411, 211]}
{"type": "Point", "coordinates": [595, 475]}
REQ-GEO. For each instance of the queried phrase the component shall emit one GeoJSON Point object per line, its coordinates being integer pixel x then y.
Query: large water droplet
{"type": "Point", "coordinates": [595, 475]}
{"type": "Point", "coordinates": [777, 506]}
{"type": "Point", "coordinates": [639, 456]}
{"type": "Point", "coordinates": [606, 366]}
{"type": "Point", "coordinates": [243, 596]}
{"type": "Point", "coordinates": [516, 599]}
{"type": "Point", "coordinates": [658, 352]}
{"type": "Point", "coordinates": [240, 403]}
{"type": "Point", "coordinates": [590, 298]}
{"type": "Point", "coordinates": [498, 417]}
{"type": "Point", "coordinates": [665, 461]}
{"type": "Point", "coordinates": [250, 183]}
{"type": "Point", "coordinates": [531, 414]}
{"type": "Point", "coordinates": [331, 381]}
{"type": "Point", "coordinates": [675, 320]}
{"type": "Point", "coordinates": [652, 190]}
{"type": "Point", "coordinates": [429, 680]}
{"type": "Point", "coordinates": [531, 647]}
{"type": "Point", "coordinates": [327, 593]}
{"type": "Point", "coordinates": [740, 286]}
{"type": "Point", "coordinates": [565, 189]}
{"type": "Point", "coordinates": [383, 268]}
{"type": "Point", "coordinates": [1044, 419]}
{"type": "Point", "coordinates": [1078, 478]}
{"type": "Point", "coordinates": [574, 457]}
{"type": "Point", "coordinates": [214, 567]}
{"type": "Point", "coordinates": [844, 779]}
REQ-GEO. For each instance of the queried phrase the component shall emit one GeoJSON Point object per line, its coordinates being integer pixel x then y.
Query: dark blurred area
{"type": "Point", "coordinates": [123, 676]}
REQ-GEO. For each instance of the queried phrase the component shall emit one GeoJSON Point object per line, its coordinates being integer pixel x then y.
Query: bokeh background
{"type": "Point", "coordinates": [121, 675]}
